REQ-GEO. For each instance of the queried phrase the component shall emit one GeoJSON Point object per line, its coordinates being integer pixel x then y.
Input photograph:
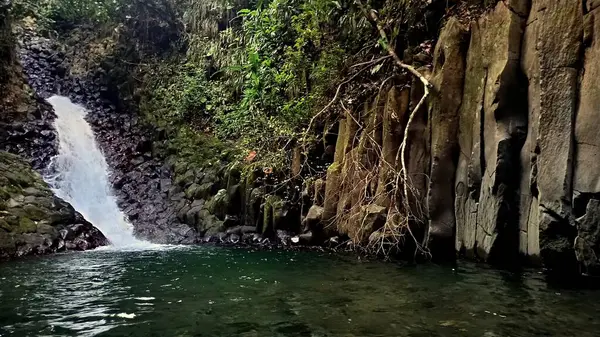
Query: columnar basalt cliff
{"type": "Point", "coordinates": [25, 119]}
{"type": "Point", "coordinates": [509, 144]}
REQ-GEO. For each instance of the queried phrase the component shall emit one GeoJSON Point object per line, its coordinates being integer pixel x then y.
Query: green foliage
{"type": "Point", "coordinates": [277, 59]}
{"type": "Point", "coordinates": [69, 11]}
{"type": "Point", "coordinates": [178, 99]}
{"type": "Point", "coordinates": [253, 71]}
{"type": "Point", "coordinates": [256, 72]}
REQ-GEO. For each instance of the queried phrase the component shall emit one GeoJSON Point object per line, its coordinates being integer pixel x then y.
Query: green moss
{"type": "Point", "coordinates": [334, 168]}
{"type": "Point", "coordinates": [267, 225]}
{"type": "Point", "coordinates": [234, 174]}
{"type": "Point", "coordinates": [4, 194]}
{"type": "Point", "coordinates": [185, 179]}
{"type": "Point", "coordinates": [181, 167]}
{"type": "Point", "coordinates": [26, 226]}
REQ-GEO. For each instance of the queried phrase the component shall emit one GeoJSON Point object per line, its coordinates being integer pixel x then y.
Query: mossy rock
{"type": "Point", "coordinates": [234, 175]}
{"type": "Point", "coordinates": [180, 167]}
{"type": "Point", "coordinates": [4, 194]}
{"type": "Point", "coordinates": [7, 245]}
{"type": "Point", "coordinates": [47, 230]}
{"type": "Point", "coordinates": [32, 216]}
{"type": "Point", "coordinates": [34, 192]}
{"type": "Point", "coordinates": [186, 179]}
{"type": "Point", "coordinates": [218, 204]}
{"type": "Point", "coordinates": [26, 225]}
{"type": "Point", "coordinates": [273, 214]}
{"type": "Point", "coordinates": [35, 213]}
{"type": "Point", "coordinates": [191, 191]}
{"type": "Point", "coordinates": [210, 176]}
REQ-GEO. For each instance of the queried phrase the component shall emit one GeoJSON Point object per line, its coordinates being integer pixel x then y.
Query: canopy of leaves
{"type": "Point", "coordinates": [250, 70]}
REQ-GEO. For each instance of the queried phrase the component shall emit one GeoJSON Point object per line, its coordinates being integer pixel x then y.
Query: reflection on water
{"type": "Point", "coordinates": [219, 292]}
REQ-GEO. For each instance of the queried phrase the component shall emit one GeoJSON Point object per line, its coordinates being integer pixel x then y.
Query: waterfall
{"type": "Point", "coordinates": [80, 174]}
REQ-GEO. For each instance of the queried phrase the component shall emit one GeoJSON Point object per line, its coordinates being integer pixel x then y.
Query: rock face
{"type": "Point", "coordinates": [492, 130]}
{"type": "Point", "coordinates": [586, 180]}
{"type": "Point", "coordinates": [527, 178]}
{"type": "Point", "coordinates": [447, 80]}
{"type": "Point", "coordinates": [141, 180]}
{"type": "Point", "coordinates": [551, 52]}
{"type": "Point", "coordinates": [509, 145]}
{"type": "Point", "coordinates": [32, 220]}
{"type": "Point", "coordinates": [502, 164]}
{"type": "Point", "coordinates": [25, 119]}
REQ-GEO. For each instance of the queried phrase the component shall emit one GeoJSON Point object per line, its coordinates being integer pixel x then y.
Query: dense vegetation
{"type": "Point", "coordinates": [251, 71]}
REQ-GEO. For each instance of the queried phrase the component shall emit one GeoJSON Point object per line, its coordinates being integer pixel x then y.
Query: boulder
{"type": "Point", "coordinates": [34, 221]}
{"type": "Point", "coordinates": [313, 218]}
{"type": "Point", "coordinates": [372, 217]}
{"type": "Point", "coordinates": [254, 209]}
{"type": "Point", "coordinates": [218, 204]}
{"type": "Point", "coordinates": [273, 215]}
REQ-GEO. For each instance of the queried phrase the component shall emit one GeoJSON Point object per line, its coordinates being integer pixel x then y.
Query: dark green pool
{"type": "Point", "coordinates": [207, 291]}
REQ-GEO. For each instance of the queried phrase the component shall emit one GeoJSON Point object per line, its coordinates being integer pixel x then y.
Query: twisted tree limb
{"type": "Point", "coordinates": [372, 15]}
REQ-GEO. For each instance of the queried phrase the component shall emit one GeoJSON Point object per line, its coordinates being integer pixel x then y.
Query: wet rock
{"type": "Point", "coordinates": [34, 221]}
{"type": "Point", "coordinates": [234, 238]}
{"type": "Point", "coordinates": [275, 215]}
{"type": "Point", "coordinates": [193, 216]}
{"type": "Point", "coordinates": [284, 237]}
{"type": "Point", "coordinates": [303, 239]}
{"type": "Point", "coordinates": [221, 237]}
{"type": "Point", "coordinates": [234, 199]}
{"type": "Point", "coordinates": [186, 179]}
{"type": "Point", "coordinates": [253, 213]}
{"type": "Point", "coordinates": [218, 204]}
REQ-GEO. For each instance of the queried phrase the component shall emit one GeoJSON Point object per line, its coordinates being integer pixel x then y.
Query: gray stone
{"type": "Point", "coordinates": [447, 79]}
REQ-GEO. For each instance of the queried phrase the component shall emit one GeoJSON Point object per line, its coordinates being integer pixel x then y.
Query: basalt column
{"type": "Point", "coordinates": [447, 79]}
{"type": "Point", "coordinates": [551, 61]}
{"type": "Point", "coordinates": [491, 134]}
{"type": "Point", "coordinates": [586, 180]}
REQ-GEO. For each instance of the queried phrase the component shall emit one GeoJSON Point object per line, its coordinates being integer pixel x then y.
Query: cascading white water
{"type": "Point", "coordinates": [80, 174]}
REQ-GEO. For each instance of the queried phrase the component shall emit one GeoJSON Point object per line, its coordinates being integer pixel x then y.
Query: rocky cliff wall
{"type": "Point", "coordinates": [25, 119]}
{"type": "Point", "coordinates": [33, 221]}
{"type": "Point", "coordinates": [511, 140]}
{"type": "Point", "coordinates": [139, 177]}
